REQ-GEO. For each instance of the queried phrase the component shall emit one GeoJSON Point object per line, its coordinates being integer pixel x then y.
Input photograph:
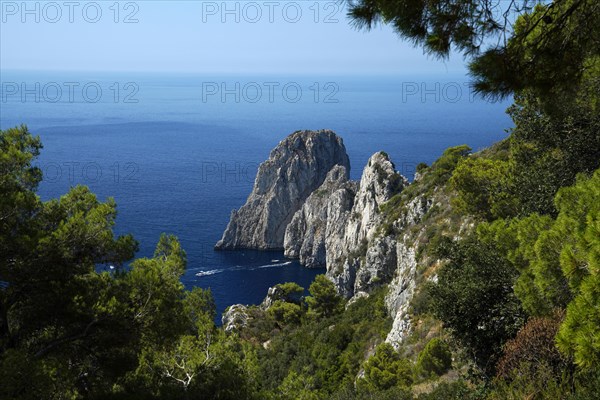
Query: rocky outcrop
{"type": "Point", "coordinates": [273, 294]}
{"type": "Point", "coordinates": [303, 202]}
{"type": "Point", "coordinates": [294, 170]}
{"type": "Point", "coordinates": [379, 265]}
{"type": "Point", "coordinates": [379, 182]}
{"type": "Point", "coordinates": [235, 318]}
{"type": "Point", "coordinates": [339, 208]}
{"type": "Point", "coordinates": [305, 236]}
{"type": "Point", "coordinates": [400, 292]}
{"type": "Point", "coordinates": [353, 263]}
{"type": "Point", "coordinates": [402, 287]}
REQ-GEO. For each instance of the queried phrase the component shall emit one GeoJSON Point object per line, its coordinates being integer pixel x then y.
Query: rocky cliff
{"type": "Point", "coordinates": [367, 234]}
{"type": "Point", "coordinates": [294, 170]}
{"type": "Point", "coordinates": [305, 236]}
{"type": "Point", "coordinates": [351, 264]}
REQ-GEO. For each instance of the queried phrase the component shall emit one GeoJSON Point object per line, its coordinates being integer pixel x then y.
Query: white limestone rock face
{"type": "Point", "coordinates": [295, 169]}
{"type": "Point", "coordinates": [235, 318]}
{"type": "Point", "coordinates": [402, 287]}
{"type": "Point", "coordinates": [355, 264]}
{"type": "Point", "coordinates": [306, 234]}
{"type": "Point", "coordinates": [344, 276]}
{"type": "Point", "coordinates": [413, 212]}
{"type": "Point", "coordinates": [379, 182]}
{"type": "Point", "coordinates": [378, 267]}
{"type": "Point", "coordinates": [273, 294]}
{"type": "Point", "coordinates": [400, 292]}
{"type": "Point", "coordinates": [339, 207]}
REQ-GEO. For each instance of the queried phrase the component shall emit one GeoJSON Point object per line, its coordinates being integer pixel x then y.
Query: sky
{"type": "Point", "coordinates": [243, 37]}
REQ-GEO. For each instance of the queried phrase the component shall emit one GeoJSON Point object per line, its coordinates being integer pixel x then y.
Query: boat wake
{"type": "Point", "coordinates": [211, 272]}
{"type": "Point", "coordinates": [240, 267]}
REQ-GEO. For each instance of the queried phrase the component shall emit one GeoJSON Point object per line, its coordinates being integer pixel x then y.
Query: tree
{"type": "Point", "coordinates": [558, 261]}
{"type": "Point", "coordinates": [51, 313]}
{"type": "Point", "coordinates": [324, 301]}
{"type": "Point", "coordinates": [548, 150]}
{"type": "Point", "coordinates": [443, 167]}
{"type": "Point", "coordinates": [484, 188]}
{"type": "Point", "coordinates": [435, 358]}
{"type": "Point", "coordinates": [579, 221]}
{"type": "Point", "coordinates": [473, 297]}
{"type": "Point", "coordinates": [285, 313]}
{"type": "Point", "coordinates": [18, 204]}
{"type": "Point", "coordinates": [70, 331]}
{"type": "Point", "coordinates": [290, 292]}
{"type": "Point", "coordinates": [548, 47]}
{"type": "Point", "coordinates": [298, 387]}
{"type": "Point", "coordinates": [386, 369]}
{"type": "Point", "coordinates": [199, 305]}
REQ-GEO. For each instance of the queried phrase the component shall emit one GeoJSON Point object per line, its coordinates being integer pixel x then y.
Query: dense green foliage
{"type": "Point", "coordinates": [68, 331]}
{"type": "Point", "coordinates": [473, 297]}
{"type": "Point", "coordinates": [559, 264]}
{"type": "Point", "coordinates": [545, 152]}
{"type": "Point", "coordinates": [327, 351]}
{"type": "Point", "coordinates": [484, 187]}
{"type": "Point", "coordinates": [435, 358]}
{"type": "Point", "coordinates": [512, 46]}
{"type": "Point", "coordinates": [324, 300]}
{"type": "Point", "coordinates": [386, 369]}
{"type": "Point", "coordinates": [508, 253]}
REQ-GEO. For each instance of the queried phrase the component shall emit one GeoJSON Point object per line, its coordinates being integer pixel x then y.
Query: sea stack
{"type": "Point", "coordinates": [295, 169]}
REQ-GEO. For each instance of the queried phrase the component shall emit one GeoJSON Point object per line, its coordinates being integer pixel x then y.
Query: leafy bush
{"type": "Point", "coordinates": [286, 313]}
{"type": "Point", "coordinates": [473, 297]}
{"type": "Point", "coordinates": [324, 300]}
{"type": "Point", "coordinates": [443, 167]}
{"type": "Point", "coordinates": [532, 382]}
{"type": "Point", "coordinates": [535, 347]}
{"type": "Point", "coordinates": [386, 369]}
{"type": "Point", "coordinates": [484, 188]}
{"type": "Point", "coordinates": [330, 350]}
{"type": "Point", "coordinates": [290, 292]}
{"type": "Point", "coordinates": [434, 359]}
{"type": "Point", "coordinates": [549, 150]}
{"type": "Point", "coordinates": [559, 265]}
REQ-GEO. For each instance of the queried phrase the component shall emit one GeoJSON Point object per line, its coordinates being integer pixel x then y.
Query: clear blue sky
{"type": "Point", "coordinates": [203, 36]}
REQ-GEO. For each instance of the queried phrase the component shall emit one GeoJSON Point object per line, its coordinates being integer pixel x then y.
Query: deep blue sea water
{"type": "Point", "coordinates": [179, 152]}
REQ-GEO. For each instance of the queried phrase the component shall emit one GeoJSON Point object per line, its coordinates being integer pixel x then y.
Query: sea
{"type": "Point", "coordinates": [178, 152]}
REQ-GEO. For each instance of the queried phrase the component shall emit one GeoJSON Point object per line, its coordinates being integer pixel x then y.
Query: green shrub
{"type": "Point", "coordinates": [474, 298]}
{"type": "Point", "coordinates": [286, 313]}
{"type": "Point", "coordinates": [484, 188]}
{"type": "Point", "coordinates": [421, 167]}
{"type": "Point", "coordinates": [324, 300]}
{"type": "Point", "coordinates": [435, 358]}
{"type": "Point", "coordinates": [386, 369]}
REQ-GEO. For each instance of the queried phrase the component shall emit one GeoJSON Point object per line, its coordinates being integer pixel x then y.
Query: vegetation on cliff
{"type": "Point", "coordinates": [506, 289]}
